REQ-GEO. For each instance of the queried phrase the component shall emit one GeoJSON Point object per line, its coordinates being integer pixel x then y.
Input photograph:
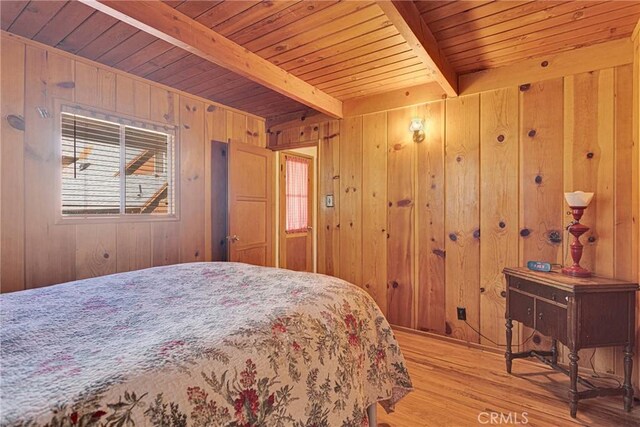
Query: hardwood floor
{"type": "Point", "coordinates": [457, 385]}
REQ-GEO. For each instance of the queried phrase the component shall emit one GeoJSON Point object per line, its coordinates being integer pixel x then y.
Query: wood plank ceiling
{"type": "Point", "coordinates": [476, 35]}
{"type": "Point", "coordinates": [347, 49]}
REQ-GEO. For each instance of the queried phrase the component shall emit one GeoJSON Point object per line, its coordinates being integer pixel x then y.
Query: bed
{"type": "Point", "coordinates": [201, 344]}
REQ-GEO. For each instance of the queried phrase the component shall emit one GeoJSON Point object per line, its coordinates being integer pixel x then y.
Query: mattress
{"type": "Point", "coordinates": [201, 344]}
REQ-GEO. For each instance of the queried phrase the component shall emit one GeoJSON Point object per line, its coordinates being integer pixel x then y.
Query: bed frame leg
{"type": "Point", "coordinates": [372, 415]}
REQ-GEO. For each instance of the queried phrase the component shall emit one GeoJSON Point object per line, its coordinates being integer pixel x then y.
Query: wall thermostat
{"type": "Point", "coordinates": [329, 200]}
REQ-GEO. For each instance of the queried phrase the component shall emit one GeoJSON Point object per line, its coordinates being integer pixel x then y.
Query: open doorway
{"type": "Point", "coordinates": [219, 201]}
{"type": "Point", "coordinates": [296, 190]}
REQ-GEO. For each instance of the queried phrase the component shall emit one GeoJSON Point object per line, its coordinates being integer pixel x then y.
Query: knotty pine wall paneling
{"type": "Point", "coordinates": [401, 195]}
{"type": "Point", "coordinates": [192, 142]}
{"type": "Point", "coordinates": [351, 200]}
{"type": "Point", "coordinates": [484, 191]}
{"type": "Point", "coordinates": [589, 165]}
{"type": "Point", "coordinates": [37, 248]}
{"type": "Point", "coordinates": [499, 144]}
{"type": "Point", "coordinates": [542, 206]}
{"type": "Point", "coordinates": [374, 206]}
{"type": "Point", "coordinates": [50, 248]}
{"type": "Point", "coordinates": [635, 188]}
{"type": "Point", "coordinates": [329, 184]}
{"type": "Point", "coordinates": [430, 216]}
{"type": "Point", "coordinates": [623, 193]}
{"type": "Point", "coordinates": [12, 158]}
{"type": "Point", "coordinates": [462, 215]}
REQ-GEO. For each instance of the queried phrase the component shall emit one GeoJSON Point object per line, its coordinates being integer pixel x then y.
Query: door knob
{"type": "Point", "coordinates": [233, 238]}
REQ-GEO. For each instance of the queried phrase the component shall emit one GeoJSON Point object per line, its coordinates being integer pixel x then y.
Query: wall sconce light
{"type": "Point", "coordinates": [578, 202]}
{"type": "Point", "coordinates": [417, 127]}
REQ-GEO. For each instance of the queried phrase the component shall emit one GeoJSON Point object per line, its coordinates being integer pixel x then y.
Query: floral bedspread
{"type": "Point", "coordinates": [202, 344]}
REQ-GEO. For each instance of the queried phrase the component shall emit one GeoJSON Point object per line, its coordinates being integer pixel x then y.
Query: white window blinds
{"type": "Point", "coordinates": [111, 168]}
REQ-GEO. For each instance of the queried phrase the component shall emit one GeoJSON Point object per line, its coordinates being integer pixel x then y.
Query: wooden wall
{"type": "Point", "coordinates": [427, 227]}
{"type": "Point", "coordinates": [635, 170]}
{"type": "Point", "coordinates": [36, 250]}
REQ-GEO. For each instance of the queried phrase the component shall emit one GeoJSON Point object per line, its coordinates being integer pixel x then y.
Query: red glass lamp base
{"type": "Point", "coordinates": [576, 230]}
{"type": "Point", "coordinates": [576, 271]}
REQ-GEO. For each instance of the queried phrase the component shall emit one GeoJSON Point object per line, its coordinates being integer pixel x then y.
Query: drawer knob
{"type": "Point", "coordinates": [529, 310]}
{"type": "Point", "coordinates": [540, 316]}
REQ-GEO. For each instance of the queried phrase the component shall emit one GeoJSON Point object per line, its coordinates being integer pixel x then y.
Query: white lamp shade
{"type": "Point", "coordinates": [416, 125]}
{"type": "Point", "coordinates": [578, 199]}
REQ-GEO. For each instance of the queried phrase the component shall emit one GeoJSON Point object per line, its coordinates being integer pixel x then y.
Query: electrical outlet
{"type": "Point", "coordinates": [462, 313]}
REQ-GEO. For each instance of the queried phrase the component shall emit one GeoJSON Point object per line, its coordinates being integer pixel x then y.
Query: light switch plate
{"type": "Point", "coordinates": [329, 200]}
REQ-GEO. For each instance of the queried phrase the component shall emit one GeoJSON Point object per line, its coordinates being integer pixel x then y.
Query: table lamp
{"type": "Point", "coordinates": [578, 202]}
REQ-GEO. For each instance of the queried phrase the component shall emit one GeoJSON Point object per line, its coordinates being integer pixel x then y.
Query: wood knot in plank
{"type": "Point", "coordinates": [440, 253]}
{"type": "Point", "coordinates": [544, 64]}
{"type": "Point", "coordinates": [211, 108]}
{"type": "Point", "coordinates": [555, 236]}
{"type": "Point", "coordinates": [501, 224]}
{"type": "Point", "coordinates": [66, 85]}
{"type": "Point", "coordinates": [532, 133]}
{"type": "Point", "coordinates": [16, 122]}
{"type": "Point", "coordinates": [525, 87]}
{"type": "Point", "coordinates": [404, 203]}
{"type": "Point", "coordinates": [525, 232]}
{"type": "Point", "coordinates": [589, 155]}
{"type": "Point", "coordinates": [500, 138]}
{"type": "Point", "coordinates": [453, 237]}
{"type": "Point", "coordinates": [476, 233]}
{"type": "Point", "coordinates": [538, 179]}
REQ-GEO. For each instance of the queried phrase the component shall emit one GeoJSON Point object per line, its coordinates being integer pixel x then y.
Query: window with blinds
{"type": "Point", "coordinates": [111, 168]}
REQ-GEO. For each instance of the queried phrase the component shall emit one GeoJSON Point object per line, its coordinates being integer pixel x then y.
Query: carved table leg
{"type": "Point", "coordinates": [628, 367]}
{"type": "Point", "coordinates": [507, 354]}
{"type": "Point", "coordinates": [573, 386]}
{"type": "Point", "coordinates": [554, 350]}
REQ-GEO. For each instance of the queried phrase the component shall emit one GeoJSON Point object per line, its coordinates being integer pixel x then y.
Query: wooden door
{"type": "Point", "coordinates": [251, 182]}
{"type": "Point", "coordinates": [296, 242]}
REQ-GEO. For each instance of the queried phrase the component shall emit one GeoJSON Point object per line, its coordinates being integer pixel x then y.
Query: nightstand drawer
{"type": "Point", "coordinates": [521, 308]}
{"type": "Point", "coordinates": [551, 320]}
{"type": "Point", "coordinates": [547, 292]}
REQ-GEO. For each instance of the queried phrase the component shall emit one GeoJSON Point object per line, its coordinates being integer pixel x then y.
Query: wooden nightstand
{"type": "Point", "coordinates": [580, 313]}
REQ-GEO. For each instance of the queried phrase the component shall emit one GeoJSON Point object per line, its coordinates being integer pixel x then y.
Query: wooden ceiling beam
{"type": "Point", "coordinates": [168, 24]}
{"type": "Point", "coordinates": [404, 15]}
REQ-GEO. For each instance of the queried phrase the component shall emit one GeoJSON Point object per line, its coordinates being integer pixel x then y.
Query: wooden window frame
{"type": "Point", "coordinates": [60, 106]}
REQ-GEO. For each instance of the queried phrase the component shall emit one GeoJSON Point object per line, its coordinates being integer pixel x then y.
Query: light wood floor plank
{"type": "Point", "coordinates": [455, 384]}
